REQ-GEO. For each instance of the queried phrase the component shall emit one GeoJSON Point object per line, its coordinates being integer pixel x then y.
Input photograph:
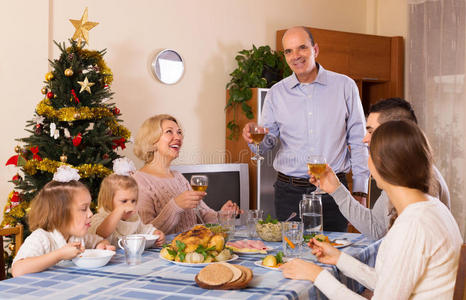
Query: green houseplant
{"type": "Point", "coordinates": [257, 68]}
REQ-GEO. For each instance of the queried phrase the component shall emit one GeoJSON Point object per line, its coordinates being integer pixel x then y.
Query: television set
{"type": "Point", "coordinates": [226, 182]}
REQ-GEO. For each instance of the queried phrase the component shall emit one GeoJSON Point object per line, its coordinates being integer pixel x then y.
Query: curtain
{"type": "Point", "coordinates": [435, 86]}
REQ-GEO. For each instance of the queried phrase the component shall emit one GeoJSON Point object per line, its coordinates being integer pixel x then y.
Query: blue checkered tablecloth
{"type": "Point", "coordinates": [155, 278]}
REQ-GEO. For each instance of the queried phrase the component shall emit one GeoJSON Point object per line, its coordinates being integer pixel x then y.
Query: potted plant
{"type": "Point", "coordinates": [257, 68]}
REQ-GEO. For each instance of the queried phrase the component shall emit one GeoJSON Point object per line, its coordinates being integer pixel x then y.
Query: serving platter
{"type": "Point", "coordinates": [234, 257]}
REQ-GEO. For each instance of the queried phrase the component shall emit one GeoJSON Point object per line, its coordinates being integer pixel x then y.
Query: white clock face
{"type": "Point", "coordinates": [168, 66]}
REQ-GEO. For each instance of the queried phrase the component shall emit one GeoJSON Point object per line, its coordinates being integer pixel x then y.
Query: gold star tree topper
{"type": "Point", "coordinates": [82, 28]}
{"type": "Point", "coordinates": [85, 85]}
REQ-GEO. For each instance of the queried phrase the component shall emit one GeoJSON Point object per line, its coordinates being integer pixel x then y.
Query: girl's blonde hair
{"type": "Point", "coordinates": [51, 207]}
{"type": "Point", "coordinates": [149, 133]}
{"type": "Point", "coordinates": [110, 185]}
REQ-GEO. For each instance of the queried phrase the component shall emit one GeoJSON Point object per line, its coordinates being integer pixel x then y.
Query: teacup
{"type": "Point", "coordinates": [133, 246]}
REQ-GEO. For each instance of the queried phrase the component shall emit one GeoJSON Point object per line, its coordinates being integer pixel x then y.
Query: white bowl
{"type": "Point", "coordinates": [150, 239]}
{"type": "Point", "coordinates": [93, 258]}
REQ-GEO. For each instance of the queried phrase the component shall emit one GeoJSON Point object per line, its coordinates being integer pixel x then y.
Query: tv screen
{"type": "Point", "coordinates": [226, 182]}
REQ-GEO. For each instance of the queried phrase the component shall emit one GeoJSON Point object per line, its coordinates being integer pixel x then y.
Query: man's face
{"type": "Point", "coordinates": [299, 52]}
{"type": "Point", "coordinates": [371, 124]}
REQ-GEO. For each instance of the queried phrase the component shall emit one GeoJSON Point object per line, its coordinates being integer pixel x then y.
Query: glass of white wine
{"type": "Point", "coordinates": [257, 134]}
{"type": "Point", "coordinates": [317, 164]}
{"type": "Point", "coordinates": [199, 183]}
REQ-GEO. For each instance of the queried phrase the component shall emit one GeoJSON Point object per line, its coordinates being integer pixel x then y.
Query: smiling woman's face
{"type": "Point", "coordinates": [171, 140]}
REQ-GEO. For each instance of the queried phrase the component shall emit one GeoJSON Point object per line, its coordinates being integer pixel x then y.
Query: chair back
{"type": "Point", "coordinates": [18, 233]}
{"type": "Point", "coordinates": [460, 285]}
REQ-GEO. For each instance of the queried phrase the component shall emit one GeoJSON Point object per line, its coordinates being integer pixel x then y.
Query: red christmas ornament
{"type": "Point", "coordinates": [17, 160]}
{"type": "Point", "coordinates": [77, 140]}
{"type": "Point", "coordinates": [74, 96]}
{"type": "Point", "coordinates": [34, 151]}
{"type": "Point", "coordinates": [50, 95]}
{"type": "Point", "coordinates": [15, 199]}
{"type": "Point", "coordinates": [119, 143]}
{"type": "Point", "coordinates": [116, 111]}
{"type": "Point", "coordinates": [16, 179]}
{"type": "Point", "coordinates": [105, 156]}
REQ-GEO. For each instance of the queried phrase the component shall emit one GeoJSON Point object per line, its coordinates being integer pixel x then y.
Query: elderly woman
{"type": "Point", "coordinates": [166, 199]}
{"type": "Point", "coordinates": [418, 257]}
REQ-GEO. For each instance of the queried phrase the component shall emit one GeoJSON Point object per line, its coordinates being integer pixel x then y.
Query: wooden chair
{"type": "Point", "coordinates": [460, 285]}
{"type": "Point", "coordinates": [18, 233]}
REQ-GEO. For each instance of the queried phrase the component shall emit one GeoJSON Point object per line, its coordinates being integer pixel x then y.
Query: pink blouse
{"type": "Point", "coordinates": [157, 206]}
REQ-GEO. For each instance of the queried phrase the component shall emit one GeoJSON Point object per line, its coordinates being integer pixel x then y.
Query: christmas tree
{"type": "Point", "coordinates": [74, 124]}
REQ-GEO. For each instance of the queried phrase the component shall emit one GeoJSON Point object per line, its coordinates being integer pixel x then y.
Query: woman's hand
{"type": "Point", "coordinates": [189, 199]}
{"type": "Point", "coordinates": [161, 240]}
{"type": "Point", "coordinates": [325, 252]}
{"type": "Point", "coordinates": [301, 270]}
{"type": "Point", "coordinates": [71, 250]}
{"type": "Point", "coordinates": [328, 181]}
{"type": "Point", "coordinates": [105, 245]}
{"type": "Point", "coordinates": [231, 206]}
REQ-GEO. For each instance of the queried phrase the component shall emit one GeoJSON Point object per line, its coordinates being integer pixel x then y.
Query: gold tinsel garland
{"type": "Point", "coordinates": [104, 69]}
{"type": "Point", "coordinates": [85, 170]}
{"type": "Point", "coordinates": [69, 114]}
{"type": "Point", "coordinates": [16, 213]}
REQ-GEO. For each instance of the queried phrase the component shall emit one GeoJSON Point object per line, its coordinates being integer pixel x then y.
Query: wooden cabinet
{"type": "Point", "coordinates": [376, 63]}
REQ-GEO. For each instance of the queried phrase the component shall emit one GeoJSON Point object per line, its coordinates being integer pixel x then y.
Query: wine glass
{"type": "Point", "coordinates": [199, 183]}
{"type": "Point", "coordinates": [257, 134]}
{"type": "Point", "coordinates": [317, 164]}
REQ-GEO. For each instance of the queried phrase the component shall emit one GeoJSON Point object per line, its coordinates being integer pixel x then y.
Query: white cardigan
{"type": "Point", "coordinates": [418, 258]}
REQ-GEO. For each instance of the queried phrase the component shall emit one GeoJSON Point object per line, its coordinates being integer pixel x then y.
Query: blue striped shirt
{"type": "Point", "coordinates": [323, 117]}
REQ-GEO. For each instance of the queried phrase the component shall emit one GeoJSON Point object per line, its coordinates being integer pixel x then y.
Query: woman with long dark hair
{"type": "Point", "coordinates": [419, 256]}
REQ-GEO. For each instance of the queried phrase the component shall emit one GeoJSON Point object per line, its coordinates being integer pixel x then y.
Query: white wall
{"type": "Point", "coordinates": [207, 33]}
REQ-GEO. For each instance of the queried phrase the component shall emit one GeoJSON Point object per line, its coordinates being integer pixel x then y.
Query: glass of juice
{"type": "Point", "coordinates": [317, 164]}
{"type": "Point", "coordinates": [257, 134]}
{"type": "Point", "coordinates": [199, 183]}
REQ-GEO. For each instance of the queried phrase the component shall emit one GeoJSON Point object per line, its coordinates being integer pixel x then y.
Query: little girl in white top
{"type": "Point", "coordinates": [117, 215]}
{"type": "Point", "coordinates": [60, 218]}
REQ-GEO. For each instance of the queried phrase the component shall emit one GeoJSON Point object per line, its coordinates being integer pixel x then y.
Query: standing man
{"type": "Point", "coordinates": [313, 111]}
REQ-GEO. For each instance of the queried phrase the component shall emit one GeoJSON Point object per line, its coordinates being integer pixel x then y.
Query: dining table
{"type": "Point", "coordinates": [156, 278]}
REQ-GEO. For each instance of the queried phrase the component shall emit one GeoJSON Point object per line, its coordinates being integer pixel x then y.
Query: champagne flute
{"type": "Point", "coordinates": [257, 134]}
{"type": "Point", "coordinates": [317, 165]}
{"type": "Point", "coordinates": [199, 183]}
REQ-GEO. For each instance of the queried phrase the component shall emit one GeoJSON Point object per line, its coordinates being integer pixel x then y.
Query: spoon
{"type": "Point", "coordinates": [293, 214]}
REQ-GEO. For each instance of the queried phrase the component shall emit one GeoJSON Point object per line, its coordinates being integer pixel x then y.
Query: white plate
{"type": "Point", "coordinates": [234, 257]}
{"type": "Point", "coordinates": [259, 264]}
{"type": "Point", "coordinates": [344, 243]}
{"type": "Point", "coordinates": [253, 252]}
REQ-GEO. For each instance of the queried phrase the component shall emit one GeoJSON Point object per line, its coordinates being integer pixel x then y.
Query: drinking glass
{"type": "Point", "coordinates": [257, 134]}
{"type": "Point", "coordinates": [310, 212]}
{"type": "Point", "coordinates": [199, 183]}
{"type": "Point", "coordinates": [292, 238]}
{"type": "Point", "coordinates": [317, 164]}
{"type": "Point", "coordinates": [253, 216]}
{"type": "Point", "coordinates": [134, 246]}
{"type": "Point", "coordinates": [227, 220]}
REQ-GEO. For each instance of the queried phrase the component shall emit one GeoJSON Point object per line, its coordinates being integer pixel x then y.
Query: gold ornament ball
{"type": "Point", "coordinates": [63, 158]}
{"type": "Point", "coordinates": [11, 247]}
{"type": "Point", "coordinates": [48, 76]}
{"type": "Point", "coordinates": [17, 149]}
{"type": "Point", "coordinates": [77, 115]}
{"type": "Point", "coordinates": [69, 72]}
{"type": "Point", "coordinates": [43, 90]}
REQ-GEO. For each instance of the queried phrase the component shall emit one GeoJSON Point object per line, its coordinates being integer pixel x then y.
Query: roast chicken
{"type": "Point", "coordinates": [199, 235]}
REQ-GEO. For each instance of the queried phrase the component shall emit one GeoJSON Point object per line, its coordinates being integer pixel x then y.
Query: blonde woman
{"type": "Point", "coordinates": [166, 199]}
